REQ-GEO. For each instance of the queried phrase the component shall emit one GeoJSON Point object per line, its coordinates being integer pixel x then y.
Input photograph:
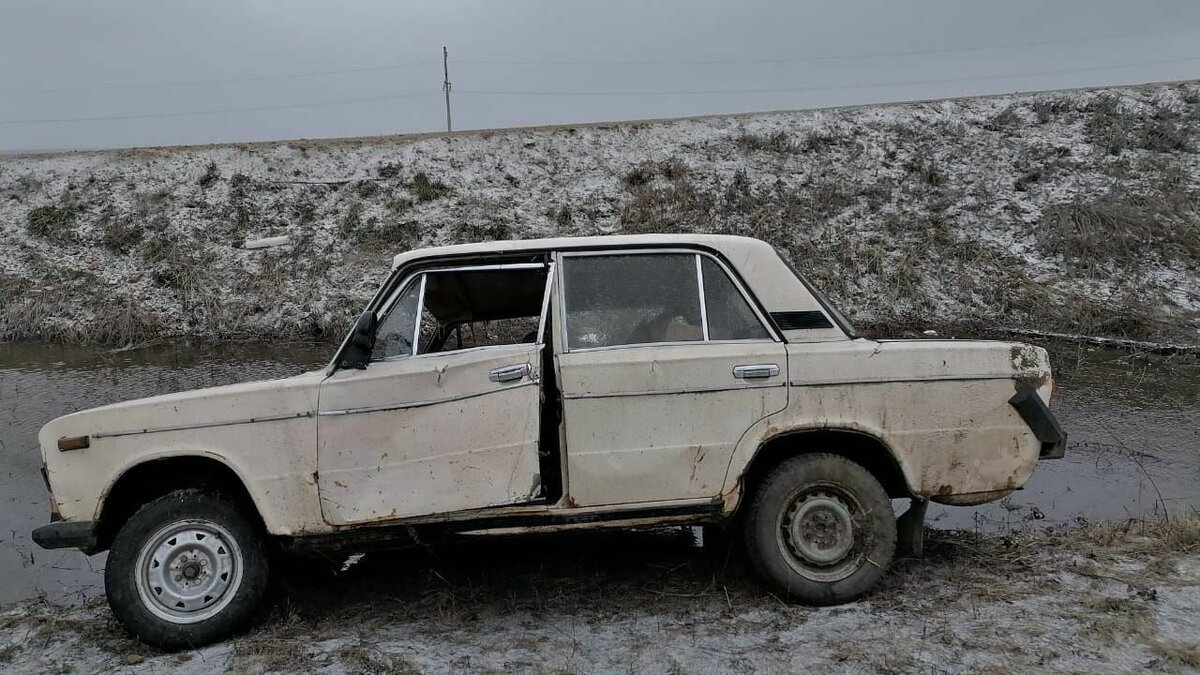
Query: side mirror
{"type": "Point", "coordinates": [362, 342]}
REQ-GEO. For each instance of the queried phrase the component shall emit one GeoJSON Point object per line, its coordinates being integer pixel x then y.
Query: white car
{"type": "Point", "coordinates": [616, 381]}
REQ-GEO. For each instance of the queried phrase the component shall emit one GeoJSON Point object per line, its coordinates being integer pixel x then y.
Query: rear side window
{"type": "Point", "coordinates": [648, 298]}
{"type": "Point", "coordinates": [729, 315]}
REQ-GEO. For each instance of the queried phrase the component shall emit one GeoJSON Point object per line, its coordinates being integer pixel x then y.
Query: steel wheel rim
{"type": "Point", "coordinates": [188, 571]}
{"type": "Point", "coordinates": [822, 534]}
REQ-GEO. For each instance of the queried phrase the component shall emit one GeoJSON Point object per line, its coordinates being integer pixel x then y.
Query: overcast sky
{"type": "Point", "coordinates": [375, 66]}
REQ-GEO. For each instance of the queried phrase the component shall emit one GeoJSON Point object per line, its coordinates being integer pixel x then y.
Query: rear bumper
{"type": "Point", "coordinates": [1041, 422]}
{"type": "Point", "coordinates": [80, 534]}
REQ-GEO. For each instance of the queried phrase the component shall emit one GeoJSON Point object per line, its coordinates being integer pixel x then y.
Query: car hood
{"type": "Point", "coordinates": [214, 406]}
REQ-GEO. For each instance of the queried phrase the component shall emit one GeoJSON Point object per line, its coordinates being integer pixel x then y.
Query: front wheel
{"type": "Point", "coordinates": [820, 529]}
{"type": "Point", "coordinates": [186, 570]}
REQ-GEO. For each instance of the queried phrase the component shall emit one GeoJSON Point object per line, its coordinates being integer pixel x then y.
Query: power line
{"type": "Point", "coordinates": [820, 57]}
{"type": "Point", "coordinates": [479, 92]}
{"type": "Point", "coordinates": [718, 62]}
{"type": "Point", "coordinates": [315, 104]}
{"type": "Point", "coordinates": [260, 78]}
{"type": "Point", "coordinates": [865, 85]}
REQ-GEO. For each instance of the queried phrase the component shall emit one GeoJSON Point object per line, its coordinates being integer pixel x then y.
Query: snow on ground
{"type": "Point", "coordinates": [1098, 598]}
{"type": "Point", "coordinates": [1072, 211]}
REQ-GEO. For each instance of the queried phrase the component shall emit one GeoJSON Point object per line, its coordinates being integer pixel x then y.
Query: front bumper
{"type": "Point", "coordinates": [80, 534]}
{"type": "Point", "coordinates": [1041, 422]}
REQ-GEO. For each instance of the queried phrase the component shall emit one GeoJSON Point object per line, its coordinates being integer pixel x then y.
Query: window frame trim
{"type": "Point", "coordinates": [393, 297]}
{"type": "Point", "coordinates": [565, 346]}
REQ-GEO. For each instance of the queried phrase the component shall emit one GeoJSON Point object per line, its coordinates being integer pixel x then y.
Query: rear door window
{"type": "Point", "coordinates": [729, 315]}
{"type": "Point", "coordinates": [647, 298]}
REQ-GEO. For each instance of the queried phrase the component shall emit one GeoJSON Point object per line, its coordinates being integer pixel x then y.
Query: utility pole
{"type": "Point", "coordinates": [446, 83]}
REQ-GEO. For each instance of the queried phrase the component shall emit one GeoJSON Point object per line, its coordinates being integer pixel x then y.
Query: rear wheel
{"type": "Point", "coordinates": [820, 529]}
{"type": "Point", "coordinates": [185, 570]}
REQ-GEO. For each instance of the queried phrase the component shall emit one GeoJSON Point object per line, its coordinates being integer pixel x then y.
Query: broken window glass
{"type": "Point", "coordinates": [395, 333]}
{"type": "Point", "coordinates": [631, 299]}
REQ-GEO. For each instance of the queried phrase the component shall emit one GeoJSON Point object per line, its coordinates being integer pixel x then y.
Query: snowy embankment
{"type": "Point", "coordinates": [1073, 212]}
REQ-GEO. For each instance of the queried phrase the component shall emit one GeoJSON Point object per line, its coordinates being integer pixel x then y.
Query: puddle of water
{"type": "Point", "coordinates": [39, 383]}
{"type": "Point", "coordinates": [1134, 426]}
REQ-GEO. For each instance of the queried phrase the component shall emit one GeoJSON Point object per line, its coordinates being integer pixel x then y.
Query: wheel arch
{"type": "Point", "coordinates": [862, 447]}
{"type": "Point", "coordinates": [154, 477]}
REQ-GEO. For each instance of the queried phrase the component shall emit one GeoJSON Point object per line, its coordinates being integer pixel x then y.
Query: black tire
{"type": "Point", "coordinates": [223, 580]}
{"type": "Point", "coordinates": [820, 529]}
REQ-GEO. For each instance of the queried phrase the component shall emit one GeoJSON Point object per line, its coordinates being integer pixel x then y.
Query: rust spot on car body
{"type": "Point", "coordinates": [1037, 382]}
{"type": "Point", "coordinates": [971, 498]}
{"type": "Point", "coordinates": [1024, 357]}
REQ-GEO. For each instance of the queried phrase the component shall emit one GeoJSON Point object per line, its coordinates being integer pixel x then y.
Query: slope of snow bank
{"type": "Point", "coordinates": [1074, 211]}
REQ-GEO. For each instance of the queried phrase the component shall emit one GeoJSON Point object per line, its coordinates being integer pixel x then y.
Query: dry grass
{"type": "Point", "coordinates": [1185, 653]}
{"type": "Point", "coordinates": [778, 142]}
{"type": "Point", "coordinates": [210, 176]}
{"type": "Point", "coordinates": [1178, 534]}
{"type": "Point", "coordinates": [1107, 127]}
{"type": "Point", "coordinates": [55, 222]}
{"type": "Point", "coordinates": [1046, 109]}
{"type": "Point", "coordinates": [119, 234]}
{"type": "Point", "coordinates": [426, 189]}
{"type": "Point", "coordinates": [782, 143]}
{"type": "Point", "coordinates": [1121, 232]}
{"type": "Point", "coordinates": [679, 206]}
{"type": "Point", "coordinates": [926, 171]}
{"type": "Point", "coordinates": [1115, 125]}
{"type": "Point", "coordinates": [367, 188]}
{"type": "Point", "coordinates": [1003, 121]}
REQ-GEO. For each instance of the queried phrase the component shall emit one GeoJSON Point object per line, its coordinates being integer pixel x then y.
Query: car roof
{"type": "Point", "coordinates": [721, 242]}
{"type": "Point", "coordinates": [763, 271]}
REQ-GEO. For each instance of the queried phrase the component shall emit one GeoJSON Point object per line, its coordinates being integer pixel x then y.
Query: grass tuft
{"type": "Point", "coordinates": [119, 234]}
{"type": "Point", "coordinates": [366, 188]}
{"type": "Point", "coordinates": [53, 222]}
{"type": "Point", "coordinates": [778, 142]}
{"type": "Point", "coordinates": [210, 176]}
{"type": "Point", "coordinates": [1046, 109]}
{"type": "Point", "coordinates": [926, 171]}
{"type": "Point", "coordinates": [426, 189]}
{"type": "Point", "coordinates": [1123, 232]}
{"type": "Point", "coordinates": [1005, 120]}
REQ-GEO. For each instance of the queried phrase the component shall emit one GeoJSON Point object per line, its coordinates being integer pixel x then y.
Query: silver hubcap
{"type": "Point", "coordinates": [817, 532]}
{"type": "Point", "coordinates": [189, 571]}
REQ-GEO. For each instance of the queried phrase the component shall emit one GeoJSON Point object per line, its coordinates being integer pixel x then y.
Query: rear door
{"type": "Point", "coordinates": [665, 364]}
{"type": "Point", "coordinates": [445, 417]}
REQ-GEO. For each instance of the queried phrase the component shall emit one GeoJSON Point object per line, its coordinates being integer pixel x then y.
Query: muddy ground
{"type": "Point", "coordinates": [1114, 597]}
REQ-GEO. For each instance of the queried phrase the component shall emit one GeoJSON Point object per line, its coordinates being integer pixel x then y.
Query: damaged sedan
{"type": "Point", "coordinates": [527, 386]}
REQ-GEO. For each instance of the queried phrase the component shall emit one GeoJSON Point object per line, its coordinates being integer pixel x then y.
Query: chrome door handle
{"type": "Point", "coordinates": [509, 373]}
{"type": "Point", "coordinates": [755, 372]}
